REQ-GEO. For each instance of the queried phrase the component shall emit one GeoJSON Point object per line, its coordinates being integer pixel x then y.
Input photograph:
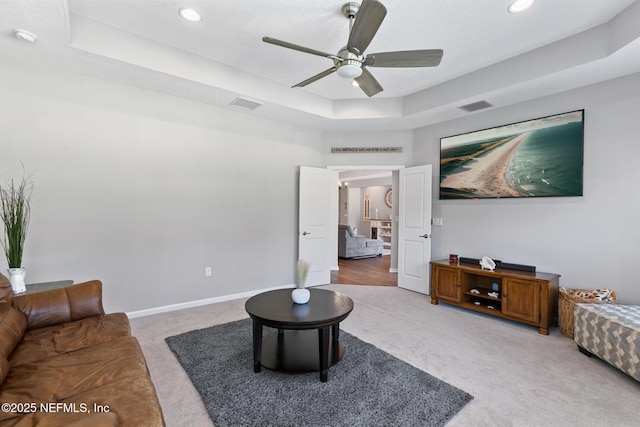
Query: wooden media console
{"type": "Point", "coordinates": [521, 296]}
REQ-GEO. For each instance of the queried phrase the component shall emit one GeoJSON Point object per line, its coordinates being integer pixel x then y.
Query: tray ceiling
{"type": "Point", "coordinates": [490, 54]}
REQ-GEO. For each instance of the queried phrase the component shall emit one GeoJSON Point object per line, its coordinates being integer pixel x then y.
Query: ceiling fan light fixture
{"type": "Point", "coordinates": [520, 5]}
{"type": "Point", "coordinates": [350, 69]}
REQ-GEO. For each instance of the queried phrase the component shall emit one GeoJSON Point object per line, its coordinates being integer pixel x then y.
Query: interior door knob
{"type": "Point", "coordinates": [426, 236]}
{"type": "Point", "coordinates": [304, 233]}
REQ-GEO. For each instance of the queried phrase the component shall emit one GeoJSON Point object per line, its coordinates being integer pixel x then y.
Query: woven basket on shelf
{"type": "Point", "coordinates": [566, 303]}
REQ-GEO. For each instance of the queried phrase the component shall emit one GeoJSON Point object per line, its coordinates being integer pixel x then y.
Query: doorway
{"type": "Point", "coordinates": [365, 202]}
{"type": "Point", "coordinates": [411, 223]}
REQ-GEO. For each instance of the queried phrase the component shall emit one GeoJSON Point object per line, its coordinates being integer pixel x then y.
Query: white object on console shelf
{"type": "Point", "coordinates": [487, 263]}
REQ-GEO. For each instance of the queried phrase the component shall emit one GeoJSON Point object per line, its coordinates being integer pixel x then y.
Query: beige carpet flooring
{"type": "Point", "coordinates": [517, 376]}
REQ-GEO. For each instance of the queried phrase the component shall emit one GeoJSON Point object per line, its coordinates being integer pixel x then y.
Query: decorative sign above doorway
{"type": "Point", "coordinates": [366, 149]}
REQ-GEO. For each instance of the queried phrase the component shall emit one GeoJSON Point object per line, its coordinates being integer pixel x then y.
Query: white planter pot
{"type": "Point", "coordinates": [300, 296]}
{"type": "Point", "coordinates": [16, 277]}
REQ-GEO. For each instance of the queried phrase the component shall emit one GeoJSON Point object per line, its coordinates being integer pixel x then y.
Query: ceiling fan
{"type": "Point", "coordinates": [350, 62]}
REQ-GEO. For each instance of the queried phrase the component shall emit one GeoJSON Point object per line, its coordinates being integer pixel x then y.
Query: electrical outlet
{"type": "Point", "coordinates": [207, 272]}
{"type": "Point", "coordinates": [436, 221]}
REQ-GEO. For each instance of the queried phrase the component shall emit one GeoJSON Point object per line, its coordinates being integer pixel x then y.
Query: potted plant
{"type": "Point", "coordinates": [15, 211]}
{"type": "Point", "coordinates": [300, 295]}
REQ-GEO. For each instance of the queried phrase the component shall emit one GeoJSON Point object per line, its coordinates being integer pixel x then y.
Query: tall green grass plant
{"type": "Point", "coordinates": [15, 213]}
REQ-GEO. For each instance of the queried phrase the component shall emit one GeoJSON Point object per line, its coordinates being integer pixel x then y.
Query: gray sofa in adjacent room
{"type": "Point", "coordinates": [351, 245]}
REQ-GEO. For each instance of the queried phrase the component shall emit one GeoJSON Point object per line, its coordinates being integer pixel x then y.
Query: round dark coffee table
{"type": "Point", "coordinates": [299, 349]}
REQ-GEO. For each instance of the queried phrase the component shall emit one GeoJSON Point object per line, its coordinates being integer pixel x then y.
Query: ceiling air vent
{"type": "Point", "coordinates": [475, 106]}
{"type": "Point", "coordinates": [245, 104]}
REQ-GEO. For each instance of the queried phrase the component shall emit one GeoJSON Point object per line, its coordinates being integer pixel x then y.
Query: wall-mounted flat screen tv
{"type": "Point", "coordinates": [535, 158]}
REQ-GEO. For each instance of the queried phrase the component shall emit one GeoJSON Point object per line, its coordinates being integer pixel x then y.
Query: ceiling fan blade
{"type": "Point", "coordinates": [368, 83]}
{"type": "Point", "coordinates": [368, 20]}
{"type": "Point", "coordinates": [407, 58]}
{"type": "Point", "coordinates": [325, 73]}
{"type": "Point", "coordinates": [297, 47]}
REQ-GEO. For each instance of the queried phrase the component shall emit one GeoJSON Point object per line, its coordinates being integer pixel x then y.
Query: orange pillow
{"type": "Point", "coordinates": [598, 294]}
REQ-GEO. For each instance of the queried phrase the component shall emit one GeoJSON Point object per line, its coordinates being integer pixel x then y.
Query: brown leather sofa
{"type": "Point", "coordinates": [64, 362]}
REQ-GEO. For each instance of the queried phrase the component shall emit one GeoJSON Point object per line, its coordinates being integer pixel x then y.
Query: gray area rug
{"type": "Point", "coordinates": [368, 387]}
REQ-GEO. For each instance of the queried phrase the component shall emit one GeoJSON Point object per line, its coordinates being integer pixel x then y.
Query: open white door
{"type": "Point", "coordinates": [315, 223]}
{"type": "Point", "coordinates": [414, 228]}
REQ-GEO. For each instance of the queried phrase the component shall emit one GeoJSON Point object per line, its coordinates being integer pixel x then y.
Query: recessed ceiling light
{"type": "Point", "coordinates": [190, 15]}
{"type": "Point", "coordinates": [520, 5]}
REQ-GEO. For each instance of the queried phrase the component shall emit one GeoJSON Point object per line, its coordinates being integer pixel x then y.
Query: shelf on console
{"type": "Point", "coordinates": [484, 294]}
{"type": "Point", "coordinates": [483, 307]}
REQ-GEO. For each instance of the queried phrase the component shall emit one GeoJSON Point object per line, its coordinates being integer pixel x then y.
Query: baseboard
{"type": "Point", "coordinates": [197, 303]}
{"type": "Point", "coordinates": [393, 270]}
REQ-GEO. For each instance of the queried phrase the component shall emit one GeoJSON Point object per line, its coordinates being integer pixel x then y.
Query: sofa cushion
{"type": "Point", "coordinates": [63, 419]}
{"type": "Point", "coordinates": [61, 305]}
{"type": "Point", "coordinates": [133, 399]}
{"type": "Point", "coordinates": [42, 343]}
{"type": "Point", "coordinates": [4, 368]}
{"type": "Point", "coordinates": [131, 402]}
{"type": "Point", "coordinates": [6, 291]}
{"type": "Point", "coordinates": [67, 375]}
{"type": "Point", "coordinates": [13, 325]}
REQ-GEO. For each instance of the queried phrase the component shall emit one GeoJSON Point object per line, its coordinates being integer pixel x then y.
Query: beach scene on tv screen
{"type": "Point", "coordinates": [536, 158]}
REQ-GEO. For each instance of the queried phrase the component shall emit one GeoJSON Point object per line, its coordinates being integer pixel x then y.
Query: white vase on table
{"type": "Point", "coordinates": [16, 277]}
{"type": "Point", "coordinates": [300, 295]}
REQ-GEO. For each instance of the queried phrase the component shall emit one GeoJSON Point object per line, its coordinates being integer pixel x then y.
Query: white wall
{"type": "Point", "coordinates": [372, 187]}
{"type": "Point", "coordinates": [400, 138]}
{"type": "Point", "coordinates": [144, 190]}
{"type": "Point", "coordinates": [343, 205]}
{"type": "Point", "coordinates": [355, 207]}
{"type": "Point", "coordinates": [376, 201]}
{"type": "Point", "coordinates": [592, 241]}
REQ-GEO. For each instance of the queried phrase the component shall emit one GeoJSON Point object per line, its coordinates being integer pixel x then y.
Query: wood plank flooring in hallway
{"type": "Point", "coordinates": [365, 271]}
